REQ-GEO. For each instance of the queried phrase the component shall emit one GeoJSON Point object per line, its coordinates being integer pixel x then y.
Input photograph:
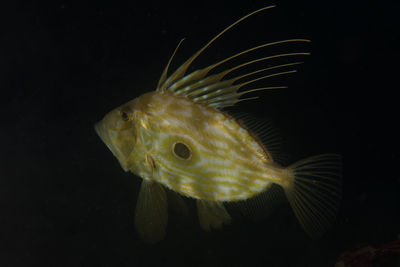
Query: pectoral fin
{"type": "Point", "coordinates": [151, 215]}
{"type": "Point", "coordinates": [212, 214]}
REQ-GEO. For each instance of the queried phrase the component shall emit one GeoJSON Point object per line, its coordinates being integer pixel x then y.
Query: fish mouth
{"type": "Point", "coordinates": [99, 128]}
{"type": "Point", "coordinates": [105, 137]}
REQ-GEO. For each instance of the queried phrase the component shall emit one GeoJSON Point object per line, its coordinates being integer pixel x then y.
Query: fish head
{"type": "Point", "coordinates": [117, 130]}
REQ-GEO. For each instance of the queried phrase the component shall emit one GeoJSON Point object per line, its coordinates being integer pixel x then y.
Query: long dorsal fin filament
{"type": "Point", "coordinates": [213, 89]}
{"type": "Point", "coordinates": [182, 69]}
{"type": "Point", "coordinates": [165, 72]}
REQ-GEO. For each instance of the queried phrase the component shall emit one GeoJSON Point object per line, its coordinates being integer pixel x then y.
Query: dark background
{"type": "Point", "coordinates": [65, 201]}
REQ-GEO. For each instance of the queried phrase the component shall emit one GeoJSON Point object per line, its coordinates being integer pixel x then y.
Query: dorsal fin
{"type": "Point", "coordinates": [212, 89]}
{"type": "Point", "coordinates": [266, 132]}
{"type": "Point", "coordinates": [180, 72]}
{"type": "Point", "coordinates": [165, 72]}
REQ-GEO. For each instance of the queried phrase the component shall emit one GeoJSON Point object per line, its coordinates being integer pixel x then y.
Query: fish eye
{"type": "Point", "coordinates": [124, 115]}
{"type": "Point", "coordinates": [182, 151]}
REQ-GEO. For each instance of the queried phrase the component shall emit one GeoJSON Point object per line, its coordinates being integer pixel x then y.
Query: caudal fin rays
{"type": "Point", "coordinates": [315, 193]}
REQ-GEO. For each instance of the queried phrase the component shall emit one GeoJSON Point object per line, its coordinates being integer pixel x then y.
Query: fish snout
{"type": "Point", "coordinates": [99, 128]}
{"type": "Point", "coordinates": [105, 135]}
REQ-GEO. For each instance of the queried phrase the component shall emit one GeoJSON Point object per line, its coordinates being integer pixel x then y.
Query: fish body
{"type": "Point", "coordinates": [179, 139]}
{"type": "Point", "coordinates": [165, 122]}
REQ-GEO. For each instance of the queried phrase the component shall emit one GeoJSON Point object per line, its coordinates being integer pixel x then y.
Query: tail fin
{"type": "Point", "coordinates": [316, 192]}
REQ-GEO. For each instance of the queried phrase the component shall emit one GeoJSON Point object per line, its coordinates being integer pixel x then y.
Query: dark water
{"type": "Point", "coordinates": [64, 199]}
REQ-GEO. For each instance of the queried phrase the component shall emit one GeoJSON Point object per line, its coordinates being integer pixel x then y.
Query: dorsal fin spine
{"type": "Point", "coordinates": [178, 90]}
{"type": "Point", "coordinates": [212, 89]}
{"type": "Point", "coordinates": [165, 72]}
{"type": "Point", "coordinates": [180, 72]}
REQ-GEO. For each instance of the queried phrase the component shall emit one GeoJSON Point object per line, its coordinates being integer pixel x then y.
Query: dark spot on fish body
{"type": "Point", "coordinates": [182, 151]}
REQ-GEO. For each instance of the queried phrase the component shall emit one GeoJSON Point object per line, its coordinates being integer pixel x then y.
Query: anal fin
{"type": "Point", "coordinates": [212, 214]}
{"type": "Point", "coordinates": [261, 205]}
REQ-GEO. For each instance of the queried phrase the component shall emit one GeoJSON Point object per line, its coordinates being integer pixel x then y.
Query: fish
{"type": "Point", "coordinates": [183, 143]}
